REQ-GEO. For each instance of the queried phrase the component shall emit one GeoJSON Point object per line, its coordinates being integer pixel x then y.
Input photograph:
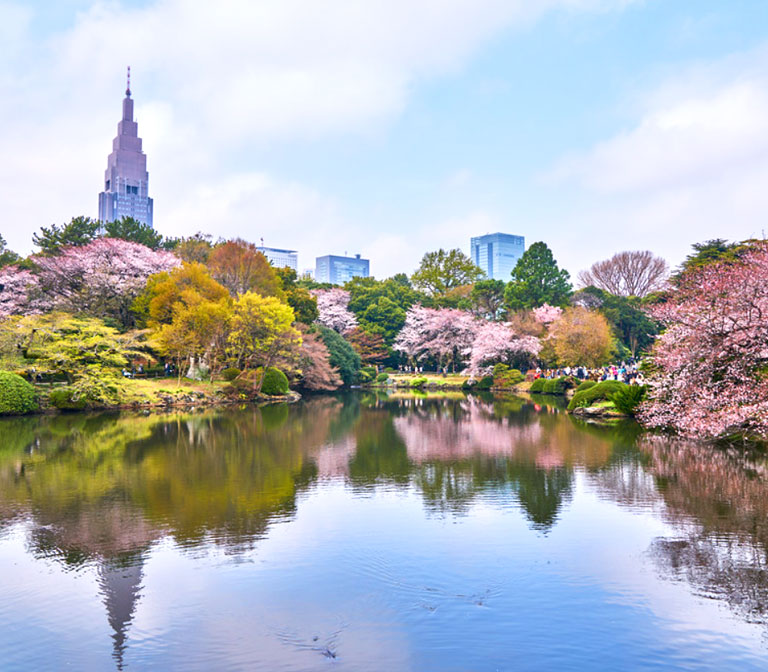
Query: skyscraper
{"type": "Point", "coordinates": [497, 254]}
{"type": "Point", "coordinates": [337, 270]}
{"type": "Point", "coordinates": [126, 188]}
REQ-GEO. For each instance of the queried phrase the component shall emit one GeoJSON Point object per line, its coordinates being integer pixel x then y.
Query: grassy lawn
{"type": "Point", "coordinates": [436, 378]}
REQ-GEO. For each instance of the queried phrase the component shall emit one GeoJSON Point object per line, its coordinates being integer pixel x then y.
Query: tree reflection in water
{"type": "Point", "coordinates": [718, 501]}
{"type": "Point", "coordinates": [100, 490]}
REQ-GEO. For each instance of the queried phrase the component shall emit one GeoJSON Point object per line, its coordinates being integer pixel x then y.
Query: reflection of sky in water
{"type": "Point", "coordinates": [367, 568]}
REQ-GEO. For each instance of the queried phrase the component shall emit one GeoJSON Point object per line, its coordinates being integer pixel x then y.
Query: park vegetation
{"type": "Point", "coordinates": [96, 301]}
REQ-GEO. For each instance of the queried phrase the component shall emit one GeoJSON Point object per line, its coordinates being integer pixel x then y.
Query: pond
{"type": "Point", "coordinates": [375, 532]}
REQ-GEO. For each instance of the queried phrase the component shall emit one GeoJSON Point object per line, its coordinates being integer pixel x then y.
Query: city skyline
{"type": "Point", "coordinates": [595, 126]}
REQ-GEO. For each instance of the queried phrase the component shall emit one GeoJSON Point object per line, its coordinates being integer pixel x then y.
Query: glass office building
{"type": "Point", "coordinates": [337, 270]}
{"type": "Point", "coordinates": [497, 254]}
{"type": "Point", "coordinates": [281, 258]}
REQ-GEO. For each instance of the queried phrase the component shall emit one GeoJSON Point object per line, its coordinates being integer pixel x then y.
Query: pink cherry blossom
{"type": "Point", "coordinates": [709, 365]}
{"type": "Point", "coordinates": [333, 312]}
{"type": "Point", "coordinates": [546, 314]}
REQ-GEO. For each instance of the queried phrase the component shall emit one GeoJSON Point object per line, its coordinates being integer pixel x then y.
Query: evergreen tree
{"type": "Point", "coordinates": [537, 279]}
{"type": "Point", "coordinates": [134, 231]}
{"type": "Point", "coordinates": [80, 231]}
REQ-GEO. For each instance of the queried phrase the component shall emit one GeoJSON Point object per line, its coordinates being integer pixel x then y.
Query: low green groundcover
{"type": "Point", "coordinates": [17, 396]}
{"type": "Point", "coordinates": [65, 399]}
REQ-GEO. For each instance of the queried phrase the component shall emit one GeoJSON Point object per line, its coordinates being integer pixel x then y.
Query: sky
{"type": "Point", "coordinates": [391, 128]}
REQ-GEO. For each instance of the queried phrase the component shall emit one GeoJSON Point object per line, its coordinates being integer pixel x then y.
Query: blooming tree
{"type": "Point", "coordinates": [443, 333]}
{"type": "Point", "coordinates": [547, 314]}
{"type": "Point", "coordinates": [101, 278]}
{"type": "Point", "coordinates": [496, 342]}
{"type": "Point", "coordinates": [334, 313]}
{"type": "Point", "coordinates": [17, 287]}
{"type": "Point", "coordinates": [709, 374]}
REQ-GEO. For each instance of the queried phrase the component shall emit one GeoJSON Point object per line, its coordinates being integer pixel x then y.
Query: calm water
{"type": "Point", "coordinates": [372, 533]}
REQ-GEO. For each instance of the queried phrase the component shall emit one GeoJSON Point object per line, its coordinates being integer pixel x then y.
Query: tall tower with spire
{"type": "Point", "coordinates": [126, 180]}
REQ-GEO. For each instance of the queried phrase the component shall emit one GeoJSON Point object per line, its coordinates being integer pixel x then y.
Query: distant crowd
{"type": "Point", "coordinates": [625, 373]}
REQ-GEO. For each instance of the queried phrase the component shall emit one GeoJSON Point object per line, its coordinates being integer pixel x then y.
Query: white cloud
{"type": "Point", "coordinates": [213, 82]}
{"type": "Point", "coordinates": [693, 167]}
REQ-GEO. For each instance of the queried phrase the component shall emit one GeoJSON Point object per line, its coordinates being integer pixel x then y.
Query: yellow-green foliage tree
{"type": "Point", "coordinates": [581, 337]}
{"type": "Point", "coordinates": [86, 351]}
{"type": "Point", "coordinates": [262, 332]}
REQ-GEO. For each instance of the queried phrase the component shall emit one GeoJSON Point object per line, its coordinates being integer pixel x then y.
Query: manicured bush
{"type": "Point", "coordinates": [65, 399]}
{"type": "Point", "coordinates": [419, 382]}
{"type": "Point", "coordinates": [364, 376]}
{"type": "Point", "coordinates": [595, 393]}
{"type": "Point", "coordinates": [586, 385]}
{"type": "Point", "coordinates": [389, 369]}
{"type": "Point", "coordinates": [382, 377]}
{"type": "Point", "coordinates": [230, 373]}
{"type": "Point", "coordinates": [275, 382]}
{"type": "Point", "coordinates": [17, 396]}
{"type": "Point", "coordinates": [628, 398]}
{"type": "Point", "coordinates": [468, 384]}
{"type": "Point", "coordinates": [503, 376]}
{"type": "Point", "coordinates": [485, 383]}
{"type": "Point", "coordinates": [538, 385]}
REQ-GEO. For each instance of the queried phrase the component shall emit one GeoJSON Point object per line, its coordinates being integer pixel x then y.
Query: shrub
{"type": "Point", "coordinates": [230, 373]}
{"type": "Point", "coordinates": [370, 370]}
{"type": "Point", "coordinates": [418, 382]}
{"type": "Point", "coordinates": [382, 377]}
{"type": "Point", "coordinates": [275, 382]}
{"type": "Point", "coordinates": [628, 398]}
{"type": "Point", "coordinates": [341, 354]}
{"type": "Point", "coordinates": [66, 399]}
{"type": "Point", "coordinates": [586, 385]}
{"type": "Point", "coordinates": [389, 369]}
{"type": "Point", "coordinates": [364, 376]}
{"type": "Point", "coordinates": [538, 385]}
{"type": "Point", "coordinates": [597, 392]}
{"type": "Point", "coordinates": [17, 396]}
{"type": "Point", "coordinates": [485, 383]}
{"type": "Point", "coordinates": [468, 384]}
{"type": "Point", "coordinates": [503, 376]}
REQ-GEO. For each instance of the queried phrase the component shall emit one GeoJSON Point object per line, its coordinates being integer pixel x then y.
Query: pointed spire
{"type": "Point", "coordinates": [128, 85]}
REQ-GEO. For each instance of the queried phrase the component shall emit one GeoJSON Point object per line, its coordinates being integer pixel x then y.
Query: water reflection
{"type": "Point", "coordinates": [102, 491]}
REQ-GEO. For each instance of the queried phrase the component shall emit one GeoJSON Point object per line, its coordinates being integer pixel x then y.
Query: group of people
{"type": "Point", "coordinates": [624, 372]}
{"type": "Point", "coordinates": [168, 370]}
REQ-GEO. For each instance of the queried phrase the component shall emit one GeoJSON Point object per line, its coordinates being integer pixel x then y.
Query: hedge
{"type": "Point", "coordinates": [586, 385]}
{"type": "Point", "coordinates": [595, 393]}
{"type": "Point", "coordinates": [17, 396]}
{"type": "Point", "coordinates": [382, 377]}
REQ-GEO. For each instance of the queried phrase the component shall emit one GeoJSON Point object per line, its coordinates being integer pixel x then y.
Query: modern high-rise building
{"type": "Point", "coordinates": [337, 270]}
{"type": "Point", "coordinates": [497, 253]}
{"type": "Point", "coordinates": [126, 188]}
{"type": "Point", "coordinates": [280, 258]}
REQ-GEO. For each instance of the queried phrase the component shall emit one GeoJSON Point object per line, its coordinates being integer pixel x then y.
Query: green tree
{"type": "Point", "coordinates": [262, 332]}
{"type": "Point", "coordinates": [7, 257]}
{"type": "Point", "coordinates": [342, 355]}
{"type": "Point", "coordinates": [486, 299]}
{"type": "Point", "coordinates": [380, 305]}
{"type": "Point", "coordinates": [440, 272]}
{"type": "Point", "coordinates": [626, 315]}
{"type": "Point", "coordinates": [303, 303]}
{"type": "Point", "coordinates": [712, 251]}
{"type": "Point", "coordinates": [80, 231]}
{"type": "Point", "coordinates": [133, 231]}
{"type": "Point", "coordinates": [191, 249]}
{"type": "Point", "coordinates": [537, 279]}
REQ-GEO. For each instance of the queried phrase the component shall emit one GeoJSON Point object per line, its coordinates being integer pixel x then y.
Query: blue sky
{"type": "Point", "coordinates": [394, 128]}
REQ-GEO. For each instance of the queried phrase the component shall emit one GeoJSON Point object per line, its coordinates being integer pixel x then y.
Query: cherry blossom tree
{"type": "Point", "coordinates": [547, 314]}
{"type": "Point", "coordinates": [333, 312]}
{"type": "Point", "coordinates": [709, 366]}
{"type": "Point", "coordinates": [17, 289]}
{"type": "Point", "coordinates": [101, 278]}
{"type": "Point", "coordinates": [497, 342]}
